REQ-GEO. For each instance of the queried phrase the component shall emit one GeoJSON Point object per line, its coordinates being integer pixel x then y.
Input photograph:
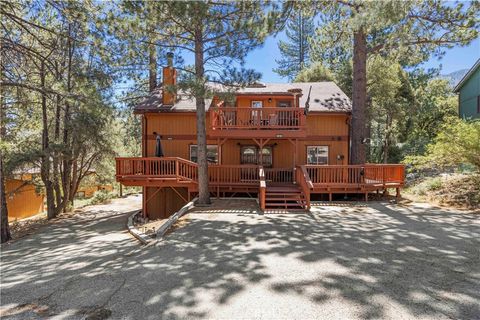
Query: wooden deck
{"type": "Point", "coordinates": [275, 187]}
{"type": "Point", "coordinates": [246, 122]}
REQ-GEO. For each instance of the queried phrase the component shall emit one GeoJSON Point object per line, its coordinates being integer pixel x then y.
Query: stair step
{"type": "Point", "coordinates": [283, 205]}
{"type": "Point", "coordinates": [285, 199]}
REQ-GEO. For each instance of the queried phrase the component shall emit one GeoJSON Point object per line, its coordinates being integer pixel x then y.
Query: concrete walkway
{"type": "Point", "coordinates": [372, 261]}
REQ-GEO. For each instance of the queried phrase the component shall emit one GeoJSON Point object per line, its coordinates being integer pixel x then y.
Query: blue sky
{"type": "Point", "coordinates": [263, 59]}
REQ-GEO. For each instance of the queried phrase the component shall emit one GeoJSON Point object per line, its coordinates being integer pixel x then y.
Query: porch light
{"type": "Point", "coordinates": [279, 135]}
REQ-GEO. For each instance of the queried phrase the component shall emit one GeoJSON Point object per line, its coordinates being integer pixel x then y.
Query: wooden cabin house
{"type": "Point", "coordinates": [275, 141]}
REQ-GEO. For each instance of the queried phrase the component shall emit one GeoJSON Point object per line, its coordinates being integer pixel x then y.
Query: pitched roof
{"type": "Point", "coordinates": [324, 97]}
{"type": "Point", "coordinates": [467, 76]}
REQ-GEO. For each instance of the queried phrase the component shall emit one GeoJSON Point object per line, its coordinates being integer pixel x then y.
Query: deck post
{"type": "Point", "coordinates": [398, 193]}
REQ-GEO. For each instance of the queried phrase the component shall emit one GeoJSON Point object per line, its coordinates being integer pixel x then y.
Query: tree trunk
{"type": "Point", "coordinates": [386, 142]}
{"type": "Point", "coordinates": [57, 154]}
{"type": "Point", "coordinates": [359, 99]}
{"type": "Point", "coordinates": [68, 142]}
{"type": "Point", "coordinates": [45, 166]}
{"type": "Point", "coordinates": [203, 193]}
{"type": "Point", "coordinates": [5, 229]}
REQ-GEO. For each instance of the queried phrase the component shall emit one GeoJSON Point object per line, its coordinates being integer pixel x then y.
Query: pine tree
{"type": "Point", "coordinates": [408, 31]}
{"type": "Point", "coordinates": [219, 35]}
{"type": "Point", "coordinates": [296, 50]}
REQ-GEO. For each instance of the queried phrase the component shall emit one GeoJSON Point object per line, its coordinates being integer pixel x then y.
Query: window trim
{"type": "Point", "coordinates": [253, 102]}
{"type": "Point", "coordinates": [208, 145]}
{"type": "Point", "coordinates": [478, 104]}
{"type": "Point", "coordinates": [317, 146]}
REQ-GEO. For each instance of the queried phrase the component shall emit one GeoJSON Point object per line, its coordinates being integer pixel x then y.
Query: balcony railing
{"type": "Point", "coordinates": [242, 118]}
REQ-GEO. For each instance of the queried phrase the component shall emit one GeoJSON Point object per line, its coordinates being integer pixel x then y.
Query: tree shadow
{"type": "Point", "coordinates": [381, 259]}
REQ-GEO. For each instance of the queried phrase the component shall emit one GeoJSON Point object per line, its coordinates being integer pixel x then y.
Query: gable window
{"type": "Point", "coordinates": [212, 153]}
{"type": "Point", "coordinates": [317, 154]}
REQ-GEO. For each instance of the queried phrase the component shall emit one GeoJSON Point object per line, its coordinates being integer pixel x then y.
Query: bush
{"type": "Point", "coordinates": [101, 196]}
{"type": "Point", "coordinates": [434, 184]}
{"type": "Point", "coordinates": [424, 187]}
{"type": "Point", "coordinates": [457, 144]}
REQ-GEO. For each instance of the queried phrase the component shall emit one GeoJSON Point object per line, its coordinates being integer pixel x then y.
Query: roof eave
{"type": "Point", "coordinates": [466, 76]}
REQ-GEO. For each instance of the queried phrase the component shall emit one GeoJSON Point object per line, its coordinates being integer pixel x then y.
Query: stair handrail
{"type": "Point", "coordinates": [262, 189]}
{"type": "Point", "coordinates": [303, 180]}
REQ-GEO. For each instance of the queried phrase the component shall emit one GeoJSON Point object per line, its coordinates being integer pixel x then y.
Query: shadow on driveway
{"type": "Point", "coordinates": [368, 262]}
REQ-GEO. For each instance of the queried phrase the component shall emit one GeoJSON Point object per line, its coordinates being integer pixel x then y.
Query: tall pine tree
{"type": "Point", "coordinates": [408, 31]}
{"type": "Point", "coordinates": [218, 34]}
{"type": "Point", "coordinates": [296, 50]}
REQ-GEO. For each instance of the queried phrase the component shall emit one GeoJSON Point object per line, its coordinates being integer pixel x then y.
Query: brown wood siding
{"type": "Point", "coordinates": [165, 202]}
{"type": "Point", "coordinates": [323, 129]}
{"type": "Point", "coordinates": [327, 125]}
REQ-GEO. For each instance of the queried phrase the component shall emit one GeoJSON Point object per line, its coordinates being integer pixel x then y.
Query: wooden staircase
{"type": "Point", "coordinates": [286, 196]}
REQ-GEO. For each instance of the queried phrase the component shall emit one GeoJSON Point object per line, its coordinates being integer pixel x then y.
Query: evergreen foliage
{"type": "Point", "coordinates": [296, 50]}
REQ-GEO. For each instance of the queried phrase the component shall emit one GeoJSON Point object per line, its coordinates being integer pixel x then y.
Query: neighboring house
{"type": "Point", "coordinates": [23, 200]}
{"type": "Point", "coordinates": [468, 90]}
{"type": "Point", "coordinates": [90, 185]}
{"type": "Point", "coordinates": [280, 142]}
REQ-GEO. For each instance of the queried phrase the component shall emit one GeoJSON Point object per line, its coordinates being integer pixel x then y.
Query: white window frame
{"type": "Point", "coordinates": [316, 147]}
{"type": "Point", "coordinates": [254, 102]}
{"type": "Point", "coordinates": [208, 146]}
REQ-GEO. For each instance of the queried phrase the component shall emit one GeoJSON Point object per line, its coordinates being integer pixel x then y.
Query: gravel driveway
{"type": "Point", "coordinates": [374, 261]}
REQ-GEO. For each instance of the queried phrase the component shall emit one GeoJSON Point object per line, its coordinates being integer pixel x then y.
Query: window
{"type": "Point", "coordinates": [257, 104]}
{"type": "Point", "coordinates": [284, 104]}
{"type": "Point", "coordinates": [212, 153]}
{"type": "Point", "coordinates": [251, 155]}
{"type": "Point", "coordinates": [317, 154]}
{"type": "Point", "coordinates": [478, 104]}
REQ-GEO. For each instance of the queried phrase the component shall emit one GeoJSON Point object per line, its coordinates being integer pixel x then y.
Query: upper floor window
{"type": "Point", "coordinates": [284, 104]}
{"type": "Point", "coordinates": [212, 153]}
{"type": "Point", "coordinates": [317, 154]}
{"type": "Point", "coordinates": [257, 104]}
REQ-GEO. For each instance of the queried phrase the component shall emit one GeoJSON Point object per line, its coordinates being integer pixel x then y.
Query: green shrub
{"type": "Point", "coordinates": [457, 144]}
{"type": "Point", "coordinates": [101, 196]}
{"type": "Point", "coordinates": [433, 184]}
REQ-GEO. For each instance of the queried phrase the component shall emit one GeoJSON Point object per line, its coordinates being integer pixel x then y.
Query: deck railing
{"type": "Point", "coordinates": [368, 174]}
{"type": "Point", "coordinates": [181, 170]}
{"type": "Point", "coordinates": [167, 167]}
{"type": "Point", "coordinates": [233, 174]}
{"type": "Point", "coordinates": [279, 175]}
{"type": "Point", "coordinates": [257, 118]}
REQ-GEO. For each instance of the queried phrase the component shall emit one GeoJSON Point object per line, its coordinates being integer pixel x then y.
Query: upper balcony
{"type": "Point", "coordinates": [267, 122]}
